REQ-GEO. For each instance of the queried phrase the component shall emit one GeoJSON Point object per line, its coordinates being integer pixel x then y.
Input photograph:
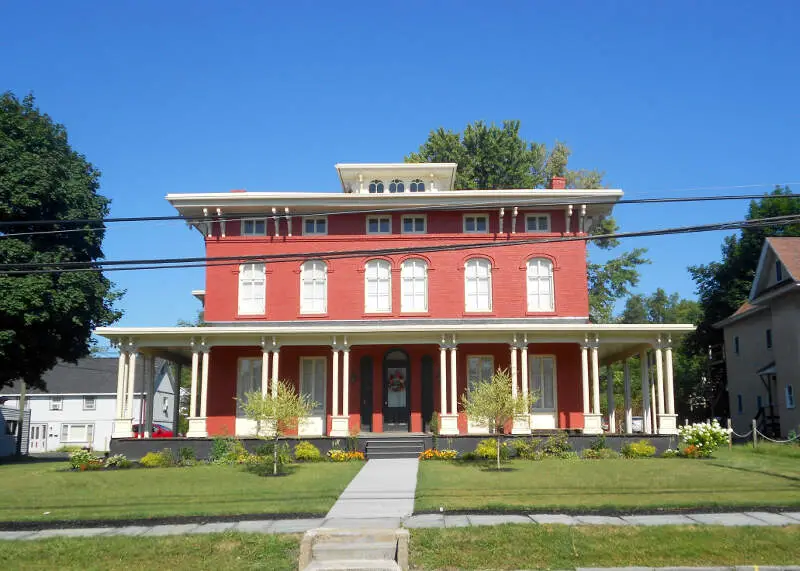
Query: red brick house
{"type": "Point", "coordinates": [386, 300]}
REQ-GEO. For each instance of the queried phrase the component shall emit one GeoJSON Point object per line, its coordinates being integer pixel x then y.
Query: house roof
{"type": "Point", "coordinates": [745, 310]}
{"type": "Point", "coordinates": [787, 250]}
{"type": "Point", "coordinates": [88, 376]}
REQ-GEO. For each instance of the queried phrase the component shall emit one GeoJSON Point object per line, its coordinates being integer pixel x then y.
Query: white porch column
{"type": "Point", "coordinates": [443, 379]}
{"type": "Point", "coordinates": [149, 396]}
{"type": "Point", "coordinates": [193, 387]}
{"type": "Point", "coordinates": [524, 363]}
{"type": "Point", "coordinates": [339, 423]}
{"type": "Point", "coordinates": [275, 360]}
{"type": "Point", "coordinates": [449, 421]}
{"type": "Point", "coordinates": [131, 382]}
{"type": "Point", "coordinates": [660, 377]}
{"type": "Point", "coordinates": [626, 374]}
{"type": "Point", "coordinates": [612, 405]}
{"type": "Point", "coordinates": [514, 379]}
{"type": "Point", "coordinates": [668, 421]}
{"type": "Point", "coordinates": [123, 425]}
{"type": "Point", "coordinates": [204, 384]}
{"type": "Point", "coordinates": [593, 423]}
{"type": "Point", "coordinates": [646, 424]}
{"type": "Point", "coordinates": [264, 369]}
{"type": "Point", "coordinates": [346, 383]}
{"type": "Point", "coordinates": [585, 377]}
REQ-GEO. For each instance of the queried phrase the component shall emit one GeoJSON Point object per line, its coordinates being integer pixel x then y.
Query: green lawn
{"type": "Point", "coordinates": [738, 478]}
{"type": "Point", "coordinates": [32, 488]}
{"type": "Point", "coordinates": [565, 547]}
{"type": "Point", "coordinates": [229, 551]}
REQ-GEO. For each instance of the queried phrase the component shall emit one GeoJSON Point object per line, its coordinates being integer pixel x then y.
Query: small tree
{"type": "Point", "coordinates": [276, 415]}
{"type": "Point", "coordinates": [492, 403]}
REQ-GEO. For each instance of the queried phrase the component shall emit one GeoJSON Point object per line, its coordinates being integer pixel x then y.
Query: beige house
{"type": "Point", "coordinates": [762, 344]}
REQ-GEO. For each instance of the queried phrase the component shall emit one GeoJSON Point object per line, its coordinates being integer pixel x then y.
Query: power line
{"type": "Point", "coordinates": [171, 263]}
{"type": "Point", "coordinates": [231, 217]}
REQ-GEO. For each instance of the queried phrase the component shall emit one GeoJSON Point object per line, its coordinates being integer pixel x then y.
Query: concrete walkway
{"type": "Point", "coordinates": [381, 495]}
{"type": "Point", "coordinates": [417, 521]}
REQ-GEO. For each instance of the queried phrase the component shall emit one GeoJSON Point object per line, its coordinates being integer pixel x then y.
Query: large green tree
{"type": "Point", "coordinates": [497, 157]}
{"type": "Point", "coordinates": [45, 317]}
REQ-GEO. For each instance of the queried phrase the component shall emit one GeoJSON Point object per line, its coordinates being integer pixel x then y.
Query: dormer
{"type": "Point", "coordinates": [396, 178]}
{"type": "Point", "coordinates": [779, 265]}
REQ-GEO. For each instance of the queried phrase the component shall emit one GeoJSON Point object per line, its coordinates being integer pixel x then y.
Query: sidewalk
{"type": "Point", "coordinates": [373, 518]}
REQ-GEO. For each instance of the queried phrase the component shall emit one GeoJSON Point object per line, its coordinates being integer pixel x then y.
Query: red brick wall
{"type": "Point", "coordinates": [445, 276]}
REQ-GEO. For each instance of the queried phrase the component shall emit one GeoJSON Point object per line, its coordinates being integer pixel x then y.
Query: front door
{"type": "Point", "coordinates": [396, 384]}
{"type": "Point", "coordinates": [366, 393]}
{"type": "Point", "coordinates": [38, 442]}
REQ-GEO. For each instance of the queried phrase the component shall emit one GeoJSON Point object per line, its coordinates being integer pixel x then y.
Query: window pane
{"type": "Point", "coordinates": [384, 224]}
{"type": "Point", "coordinates": [372, 187]}
{"type": "Point", "coordinates": [309, 227]}
{"type": "Point", "coordinates": [469, 224]}
{"type": "Point", "coordinates": [480, 224]}
{"type": "Point", "coordinates": [408, 225]}
{"type": "Point", "coordinates": [543, 225]}
{"type": "Point", "coordinates": [392, 187]}
{"type": "Point", "coordinates": [419, 224]}
{"type": "Point", "coordinates": [380, 187]}
{"type": "Point", "coordinates": [321, 223]}
{"type": "Point", "coordinates": [401, 187]}
{"type": "Point", "coordinates": [372, 225]}
{"type": "Point", "coordinates": [420, 186]}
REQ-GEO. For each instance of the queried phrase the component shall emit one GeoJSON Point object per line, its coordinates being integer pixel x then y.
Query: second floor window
{"type": "Point", "coordinates": [540, 285]}
{"type": "Point", "coordinates": [378, 287]}
{"type": "Point", "coordinates": [379, 224]}
{"type": "Point", "coordinates": [314, 287]}
{"type": "Point", "coordinates": [413, 224]}
{"type": "Point", "coordinates": [537, 223]}
{"type": "Point", "coordinates": [376, 186]}
{"type": "Point", "coordinates": [89, 403]}
{"type": "Point", "coordinates": [476, 223]}
{"type": "Point", "coordinates": [56, 403]}
{"type": "Point", "coordinates": [397, 186]}
{"type": "Point", "coordinates": [417, 186]}
{"type": "Point", "coordinates": [478, 285]}
{"type": "Point", "coordinates": [254, 227]}
{"type": "Point", "coordinates": [252, 289]}
{"type": "Point", "coordinates": [414, 286]}
{"type": "Point", "coordinates": [315, 225]}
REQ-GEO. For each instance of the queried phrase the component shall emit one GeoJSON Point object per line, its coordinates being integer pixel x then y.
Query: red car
{"type": "Point", "coordinates": [159, 431]}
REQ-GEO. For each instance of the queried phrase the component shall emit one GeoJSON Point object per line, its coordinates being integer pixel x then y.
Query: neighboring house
{"type": "Point", "coordinates": [9, 420]}
{"type": "Point", "coordinates": [79, 406]}
{"type": "Point", "coordinates": [394, 296]}
{"type": "Point", "coordinates": [762, 344]}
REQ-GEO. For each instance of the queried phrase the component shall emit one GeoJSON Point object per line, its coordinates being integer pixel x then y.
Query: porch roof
{"type": "Point", "coordinates": [616, 341]}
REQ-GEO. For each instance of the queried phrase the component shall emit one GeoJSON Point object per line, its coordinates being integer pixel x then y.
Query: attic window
{"type": "Point", "coordinates": [778, 271]}
{"type": "Point", "coordinates": [397, 186]}
{"type": "Point", "coordinates": [417, 186]}
{"type": "Point", "coordinates": [376, 186]}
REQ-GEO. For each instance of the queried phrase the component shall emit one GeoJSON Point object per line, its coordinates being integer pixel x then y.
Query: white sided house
{"type": "Point", "coordinates": [79, 406]}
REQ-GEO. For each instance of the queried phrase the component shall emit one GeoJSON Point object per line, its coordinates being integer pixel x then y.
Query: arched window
{"type": "Point", "coordinates": [252, 289]}
{"type": "Point", "coordinates": [417, 186]}
{"type": "Point", "coordinates": [478, 285]}
{"type": "Point", "coordinates": [378, 286]}
{"type": "Point", "coordinates": [540, 285]}
{"type": "Point", "coordinates": [376, 186]}
{"type": "Point", "coordinates": [414, 286]}
{"type": "Point", "coordinates": [396, 186]}
{"type": "Point", "coordinates": [314, 287]}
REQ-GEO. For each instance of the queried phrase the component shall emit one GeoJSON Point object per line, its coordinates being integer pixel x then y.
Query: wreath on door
{"type": "Point", "coordinates": [397, 383]}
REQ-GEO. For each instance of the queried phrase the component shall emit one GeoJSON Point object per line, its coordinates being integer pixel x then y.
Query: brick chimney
{"type": "Point", "coordinates": [238, 190]}
{"type": "Point", "coordinates": [558, 182]}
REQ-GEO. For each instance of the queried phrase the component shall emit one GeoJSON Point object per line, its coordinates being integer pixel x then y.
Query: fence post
{"type": "Point", "coordinates": [730, 435]}
{"type": "Point", "coordinates": [755, 434]}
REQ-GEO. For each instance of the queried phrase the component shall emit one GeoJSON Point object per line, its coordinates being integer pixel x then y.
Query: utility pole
{"type": "Point", "coordinates": [21, 418]}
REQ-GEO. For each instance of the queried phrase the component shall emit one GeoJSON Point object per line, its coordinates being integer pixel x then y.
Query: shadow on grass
{"type": "Point", "coordinates": [754, 471]}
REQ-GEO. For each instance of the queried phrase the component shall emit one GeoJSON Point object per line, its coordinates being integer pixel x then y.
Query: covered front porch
{"type": "Point", "coordinates": [395, 378]}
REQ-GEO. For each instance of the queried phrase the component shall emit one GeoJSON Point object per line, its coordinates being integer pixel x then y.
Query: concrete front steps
{"type": "Point", "coordinates": [387, 448]}
{"type": "Point", "coordinates": [356, 550]}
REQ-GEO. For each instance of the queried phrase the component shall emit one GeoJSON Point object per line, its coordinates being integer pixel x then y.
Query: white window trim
{"type": "Point", "coordinates": [366, 278]}
{"type": "Point", "coordinates": [466, 296]}
{"type": "Point", "coordinates": [253, 220]}
{"type": "Point", "coordinates": [379, 218]}
{"type": "Point", "coordinates": [552, 307]}
{"type": "Point", "coordinates": [788, 398]}
{"type": "Point", "coordinates": [531, 358]}
{"type": "Point", "coordinates": [93, 401]}
{"type": "Point", "coordinates": [403, 309]}
{"type": "Point", "coordinates": [475, 215]}
{"type": "Point", "coordinates": [315, 218]}
{"type": "Point", "coordinates": [56, 403]}
{"type": "Point", "coordinates": [413, 216]}
{"type": "Point", "coordinates": [323, 403]}
{"type": "Point", "coordinates": [255, 310]}
{"type": "Point", "coordinates": [540, 215]}
{"type": "Point", "coordinates": [69, 437]}
{"type": "Point", "coordinates": [490, 357]}
{"type": "Point", "coordinates": [304, 309]}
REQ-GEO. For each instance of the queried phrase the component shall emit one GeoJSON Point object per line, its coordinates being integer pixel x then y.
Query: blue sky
{"type": "Point", "coordinates": [207, 96]}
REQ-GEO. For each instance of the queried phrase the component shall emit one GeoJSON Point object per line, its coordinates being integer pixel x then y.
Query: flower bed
{"type": "Point", "coordinates": [700, 440]}
{"type": "Point", "coordinates": [433, 454]}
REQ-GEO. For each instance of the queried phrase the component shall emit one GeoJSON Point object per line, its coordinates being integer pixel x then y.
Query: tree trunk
{"type": "Point", "coordinates": [275, 454]}
{"type": "Point", "coordinates": [498, 451]}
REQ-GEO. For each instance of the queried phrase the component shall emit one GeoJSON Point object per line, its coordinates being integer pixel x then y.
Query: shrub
{"type": "Point", "coordinates": [336, 455]}
{"type": "Point", "coordinates": [186, 456]}
{"type": "Point", "coordinates": [70, 449]}
{"type": "Point", "coordinates": [670, 453]}
{"type": "Point", "coordinates": [557, 446]}
{"type": "Point", "coordinates": [227, 451]}
{"type": "Point", "coordinates": [267, 449]}
{"type": "Point", "coordinates": [599, 454]}
{"type": "Point", "coordinates": [526, 448]}
{"type": "Point", "coordinates": [84, 460]}
{"type": "Point", "coordinates": [433, 454]}
{"type": "Point", "coordinates": [119, 461]}
{"type": "Point", "coordinates": [487, 450]}
{"type": "Point", "coordinates": [307, 452]}
{"type": "Point", "coordinates": [641, 449]}
{"type": "Point", "coordinates": [705, 438]}
{"type": "Point", "coordinates": [152, 460]}
{"type": "Point", "coordinates": [599, 443]}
